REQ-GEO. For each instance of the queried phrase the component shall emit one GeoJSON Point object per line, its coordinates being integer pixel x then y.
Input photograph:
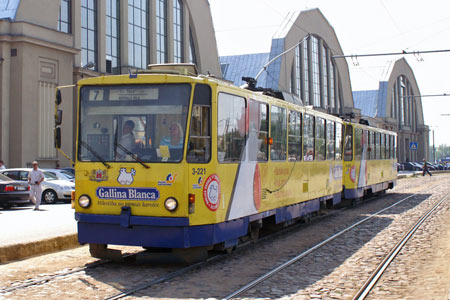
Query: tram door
{"type": "Point", "coordinates": [198, 154]}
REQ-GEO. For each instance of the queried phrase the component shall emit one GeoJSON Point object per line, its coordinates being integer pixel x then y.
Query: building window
{"type": "Point", "coordinates": [113, 36]}
{"type": "Point", "coordinates": [178, 56]}
{"type": "Point", "coordinates": [315, 71]}
{"type": "Point", "coordinates": [161, 31]}
{"type": "Point", "coordinates": [332, 86]}
{"type": "Point", "coordinates": [192, 52]}
{"type": "Point", "coordinates": [305, 47]}
{"type": "Point", "coordinates": [64, 17]}
{"type": "Point", "coordinates": [138, 33]}
{"type": "Point", "coordinates": [297, 72]}
{"type": "Point", "coordinates": [89, 34]}
{"type": "Point", "coordinates": [325, 76]}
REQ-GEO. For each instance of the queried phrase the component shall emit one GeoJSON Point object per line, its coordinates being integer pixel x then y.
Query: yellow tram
{"type": "Point", "coordinates": [171, 159]}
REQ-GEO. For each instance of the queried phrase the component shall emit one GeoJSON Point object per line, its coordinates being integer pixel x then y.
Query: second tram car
{"type": "Point", "coordinates": [178, 161]}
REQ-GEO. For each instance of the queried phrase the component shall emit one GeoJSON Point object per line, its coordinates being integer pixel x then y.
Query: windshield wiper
{"type": "Point", "coordinates": [132, 155]}
{"type": "Point", "coordinates": [89, 148]}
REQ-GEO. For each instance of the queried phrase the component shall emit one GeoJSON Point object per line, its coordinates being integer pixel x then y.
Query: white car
{"type": "Point", "coordinates": [61, 174]}
{"type": "Point", "coordinates": [53, 189]}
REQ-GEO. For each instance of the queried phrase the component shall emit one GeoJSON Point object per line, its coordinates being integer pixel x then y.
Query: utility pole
{"type": "Point", "coordinates": [434, 150]}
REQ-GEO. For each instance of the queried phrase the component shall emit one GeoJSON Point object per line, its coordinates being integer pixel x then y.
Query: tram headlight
{"type": "Point", "coordinates": [84, 201]}
{"type": "Point", "coordinates": [171, 204]}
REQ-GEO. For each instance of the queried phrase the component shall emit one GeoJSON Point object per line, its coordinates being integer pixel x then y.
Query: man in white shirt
{"type": "Point", "coordinates": [126, 140]}
{"type": "Point", "coordinates": [35, 177]}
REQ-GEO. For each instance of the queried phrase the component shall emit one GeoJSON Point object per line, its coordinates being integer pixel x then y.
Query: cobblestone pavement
{"type": "Point", "coordinates": [336, 271]}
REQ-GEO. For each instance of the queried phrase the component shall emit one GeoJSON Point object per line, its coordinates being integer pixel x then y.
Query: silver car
{"type": "Point", "coordinates": [61, 174]}
{"type": "Point", "coordinates": [53, 189]}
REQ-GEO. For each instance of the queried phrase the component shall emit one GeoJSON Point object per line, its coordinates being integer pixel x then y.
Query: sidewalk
{"type": "Point", "coordinates": [25, 232]}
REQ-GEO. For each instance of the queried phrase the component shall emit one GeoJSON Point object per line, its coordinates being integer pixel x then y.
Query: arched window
{"type": "Point", "coordinates": [89, 34]}
{"type": "Point", "coordinates": [161, 31]}
{"type": "Point", "coordinates": [313, 76]}
{"type": "Point", "coordinates": [113, 36]}
{"type": "Point", "coordinates": [138, 33]}
{"type": "Point", "coordinates": [178, 47]}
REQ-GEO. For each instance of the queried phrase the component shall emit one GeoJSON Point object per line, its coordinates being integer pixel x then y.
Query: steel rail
{"type": "Point", "coordinates": [372, 280]}
{"type": "Point", "coordinates": [62, 274]}
{"type": "Point", "coordinates": [166, 277]}
{"type": "Point", "coordinates": [310, 250]}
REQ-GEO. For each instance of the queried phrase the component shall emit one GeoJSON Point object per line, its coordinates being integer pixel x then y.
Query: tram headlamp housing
{"type": "Point", "coordinates": [84, 201]}
{"type": "Point", "coordinates": [171, 204]}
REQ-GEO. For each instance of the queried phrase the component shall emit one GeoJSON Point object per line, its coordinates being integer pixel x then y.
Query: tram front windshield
{"type": "Point", "coordinates": [141, 123]}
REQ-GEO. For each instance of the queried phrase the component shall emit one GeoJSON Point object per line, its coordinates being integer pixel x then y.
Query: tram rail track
{"type": "Point", "coordinates": [169, 275]}
{"type": "Point", "coordinates": [382, 267]}
{"type": "Point", "coordinates": [305, 253]}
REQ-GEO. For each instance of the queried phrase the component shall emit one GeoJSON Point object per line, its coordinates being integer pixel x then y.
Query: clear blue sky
{"type": "Point", "coordinates": [369, 26]}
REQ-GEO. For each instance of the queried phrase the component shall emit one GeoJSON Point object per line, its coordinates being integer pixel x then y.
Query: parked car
{"type": "Point", "coordinates": [70, 170]}
{"type": "Point", "coordinates": [13, 192]}
{"type": "Point", "coordinates": [53, 189]}
{"type": "Point", "coordinates": [411, 166]}
{"type": "Point", "coordinates": [61, 174]}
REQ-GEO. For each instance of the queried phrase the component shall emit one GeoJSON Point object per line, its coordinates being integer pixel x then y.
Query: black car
{"type": "Point", "coordinates": [13, 192]}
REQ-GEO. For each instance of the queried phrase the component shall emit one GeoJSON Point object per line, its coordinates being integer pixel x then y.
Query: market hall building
{"type": "Point", "coordinates": [397, 105]}
{"type": "Point", "coordinates": [50, 43]}
{"type": "Point", "coordinates": [314, 77]}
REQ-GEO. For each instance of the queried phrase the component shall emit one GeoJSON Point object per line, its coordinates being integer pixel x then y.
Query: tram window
{"type": "Point", "coordinates": [258, 131]}
{"type": "Point", "coordinates": [391, 147]}
{"type": "Point", "coordinates": [338, 141]}
{"type": "Point", "coordinates": [199, 146]}
{"type": "Point", "coordinates": [371, 145]}
{"type": "Point", "coordinates": [348, 143]}
{"type": "Point", "coordinates": [383, 146]}
{"type": "Point", "coordinates": [320, 139]}
{"type": "Point", "coordinates": [308, 138]}
{"type": "Point", "coordinates": [358, 143]}
{"type": "Point", "coordinates": [365, 144]}
{"type": "Point", "coordinates": [395, 146]}
{"type": "Point", "coordinates": [330, 140]}
{"type": "Point", "coordinates": [278, 133]}
{"type": "Point", "coordinates": [377, 145]}
{"type": "Point", "coordinates": [148, 109]}
{"type": "Point", "coordinates": [388, 146]}
{"type": "Point", "coordinates": [230, 128]}
{"type": "Point", "coordinates": [295, 136]}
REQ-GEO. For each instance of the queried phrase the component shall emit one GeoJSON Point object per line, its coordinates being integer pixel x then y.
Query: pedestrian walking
{"type": "Point", "coordinates": [2, 165]}
{"type": "Point", "coordinates": [425, 168]}
{"type": "Point", "coordinates": [35, 177]}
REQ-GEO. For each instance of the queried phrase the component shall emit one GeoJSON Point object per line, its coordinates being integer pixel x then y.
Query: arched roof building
{"type": "Point", "coordinates": [308, 70]}
{"type": "Point", "coordinates": [397, 105]}
{"type": "Point", "coordinates": [49, 43]}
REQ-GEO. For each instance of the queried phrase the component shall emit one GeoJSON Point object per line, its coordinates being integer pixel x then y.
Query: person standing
{"type": "Point", "coordinates": [425, 168]}
{"type": "Point", "coordinates": [2, 165]}
{"type": "Point", "coordinates": [35, 177]}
